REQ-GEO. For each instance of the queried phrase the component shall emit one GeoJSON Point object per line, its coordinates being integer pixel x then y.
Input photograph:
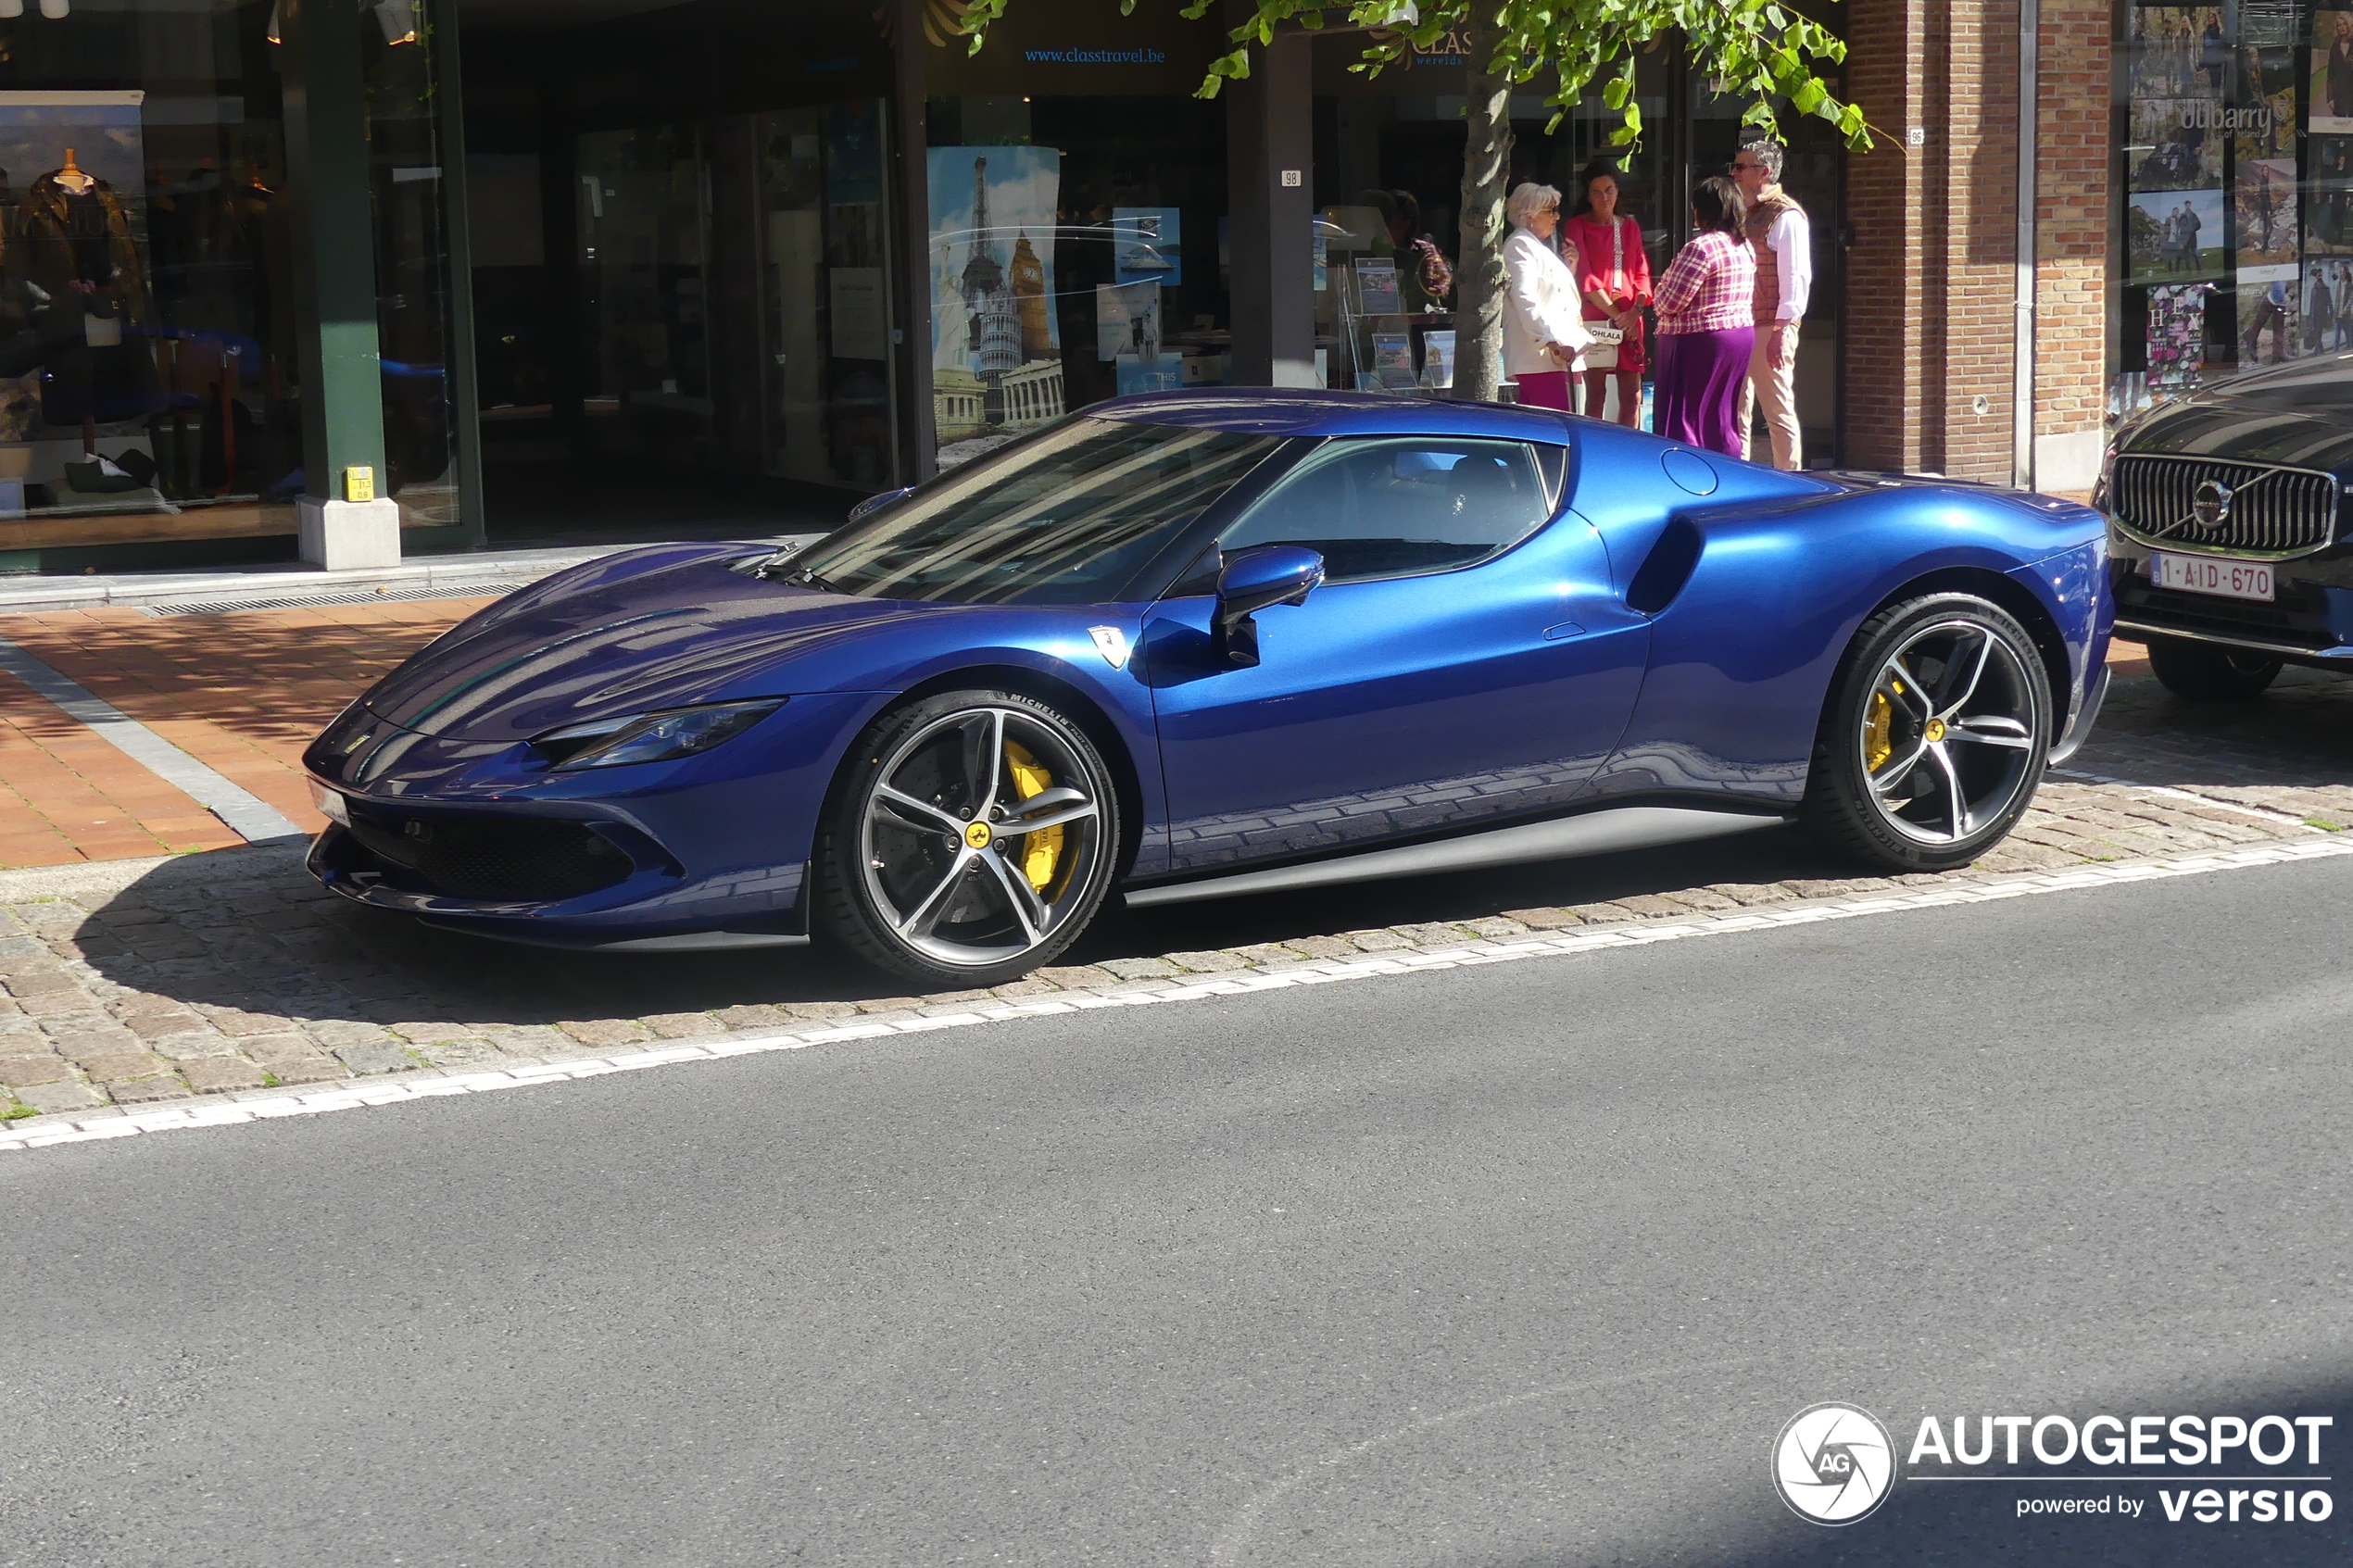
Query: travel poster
{"type": "Point", "coordinates": [1437, 359]}
{"type": "Point", "coordinates": [1127, 320]}
{"type": "Point", "coordinates": [1164, 373]}
{"type": "Point", "coordinates": [1146, 244]}
{"type": "Point", "coordinates": [1376, 288]}
{"type": "Point", "coordinates": [992, 268]}
{"type": "Point", "coordinates": [1394, 360]}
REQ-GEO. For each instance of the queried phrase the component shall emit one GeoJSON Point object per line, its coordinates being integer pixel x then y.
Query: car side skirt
{"type": "Point", "coordinates": [682, 942]}
{"type": "Point", "coordinates": [1595, 833]}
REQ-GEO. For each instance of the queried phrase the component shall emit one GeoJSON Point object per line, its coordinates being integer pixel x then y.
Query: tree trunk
{"type": "Point", "coordinates": [1487, 167]}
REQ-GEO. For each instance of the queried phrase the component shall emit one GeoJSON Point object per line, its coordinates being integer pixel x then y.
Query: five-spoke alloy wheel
{"type": "Point", "coordinates": [1934, 736]}
{"type": "Point", "coordinates": [972, 839]}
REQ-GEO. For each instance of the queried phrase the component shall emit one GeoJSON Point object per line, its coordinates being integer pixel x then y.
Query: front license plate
{"type": "Point", "coordinates": [330, 804]}
{"type": "Point", "coordinates": [2203, 574]}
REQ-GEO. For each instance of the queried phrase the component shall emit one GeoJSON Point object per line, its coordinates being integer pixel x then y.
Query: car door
{"type": "Point", "coordinates": [1451, 670]}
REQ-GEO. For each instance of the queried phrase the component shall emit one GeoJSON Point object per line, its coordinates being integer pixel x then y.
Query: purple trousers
{"type": "Point", "coordinates": [1698, 396]}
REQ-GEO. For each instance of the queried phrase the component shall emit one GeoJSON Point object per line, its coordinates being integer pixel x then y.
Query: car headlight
{"type": "Point", "coordinates": [651, 738]}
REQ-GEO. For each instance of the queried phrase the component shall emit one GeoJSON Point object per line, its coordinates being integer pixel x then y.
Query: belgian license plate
{"type": "Point", "coordinates": [2204, 574]}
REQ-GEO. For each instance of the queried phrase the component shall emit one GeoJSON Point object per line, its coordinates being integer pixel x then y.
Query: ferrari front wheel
{"type": "Point", "coordinates": [971, 840]}
{"type": "Point", "coordinates": [1934, 736]}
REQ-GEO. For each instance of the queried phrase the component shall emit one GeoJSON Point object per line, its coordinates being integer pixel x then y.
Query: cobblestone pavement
{"type": "Point", "coordinates": [230, 973]}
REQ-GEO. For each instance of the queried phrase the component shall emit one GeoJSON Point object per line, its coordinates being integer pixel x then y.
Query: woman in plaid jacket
{"type": "Point", "coordinates": [1705, 328]}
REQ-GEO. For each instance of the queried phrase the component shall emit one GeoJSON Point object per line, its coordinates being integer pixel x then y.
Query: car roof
{"type": "Point", "coordinates": [1281, 410]}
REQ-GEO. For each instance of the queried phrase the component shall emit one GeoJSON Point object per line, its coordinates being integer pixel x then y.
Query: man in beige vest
{"type": "Point", "coordinates": [1783, 242]}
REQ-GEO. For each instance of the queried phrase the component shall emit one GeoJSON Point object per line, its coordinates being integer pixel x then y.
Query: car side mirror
{"type": "Point", "coordinates": [1259, 578]}
{"type": "Point", "coordinates": [871, 502]}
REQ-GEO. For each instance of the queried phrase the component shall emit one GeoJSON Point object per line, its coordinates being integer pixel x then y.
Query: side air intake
{"type": "Point", "coordinates": [1666, 568]}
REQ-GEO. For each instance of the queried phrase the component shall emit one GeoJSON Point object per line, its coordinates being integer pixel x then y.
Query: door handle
{"type": "Point", "coordinates": [1566, 629]}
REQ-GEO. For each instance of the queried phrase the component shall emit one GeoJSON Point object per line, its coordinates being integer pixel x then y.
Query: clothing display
{"type": "Point", "coordinates": [75, 260]}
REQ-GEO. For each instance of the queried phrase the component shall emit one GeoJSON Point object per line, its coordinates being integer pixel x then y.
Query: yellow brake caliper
{"type": "Point", "coordinates": [1039, 851]}
{"type": "Point", "coordinates": [1876, 746]}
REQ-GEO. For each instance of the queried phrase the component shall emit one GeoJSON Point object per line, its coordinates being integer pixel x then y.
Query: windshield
{"type": "Point", "coordinates": [1066, 518]}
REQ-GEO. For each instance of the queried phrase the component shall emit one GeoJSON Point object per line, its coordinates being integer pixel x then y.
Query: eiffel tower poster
{"type": "Point", "coordinates": [996, 343]}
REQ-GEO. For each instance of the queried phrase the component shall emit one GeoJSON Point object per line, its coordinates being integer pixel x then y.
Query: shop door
{"type": "Point", "coordinates": [828, 413]}
{"type": "Point", "coordinates": [641, 220]}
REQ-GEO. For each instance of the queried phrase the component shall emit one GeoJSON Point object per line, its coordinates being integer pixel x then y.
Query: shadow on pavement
{"type": "Point", "coordinates": [278, 947]}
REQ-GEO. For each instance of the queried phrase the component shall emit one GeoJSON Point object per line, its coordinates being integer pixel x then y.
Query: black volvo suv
{"type": "Point", "coordinates": [2230, 523]}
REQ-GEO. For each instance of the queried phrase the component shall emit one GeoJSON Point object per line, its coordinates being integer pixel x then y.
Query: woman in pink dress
{"type": "Point", "coordinates": [1614, 274]}
{"type": "Point", "coordinates": [1707, 329]}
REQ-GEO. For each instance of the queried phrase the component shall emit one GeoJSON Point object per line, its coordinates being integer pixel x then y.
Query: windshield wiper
{"type": "Point", "coordinates": [800, 576]}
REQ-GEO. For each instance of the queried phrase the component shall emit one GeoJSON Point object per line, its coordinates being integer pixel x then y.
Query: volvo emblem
{"type": "Point", "coordinates": [2211, 504]}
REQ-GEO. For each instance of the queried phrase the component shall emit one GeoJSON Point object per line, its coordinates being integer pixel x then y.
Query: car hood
{"type": "Point", "coordinates": [663, 627]}
{"type": "Point", "coordinates": [2299, 415]}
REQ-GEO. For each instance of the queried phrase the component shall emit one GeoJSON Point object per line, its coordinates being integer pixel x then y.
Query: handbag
{"type": "Point", "coordinates": [1602, 355]}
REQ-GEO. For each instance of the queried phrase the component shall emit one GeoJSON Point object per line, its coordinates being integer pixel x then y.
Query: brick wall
{"type": "Point", "coordinates": [2071, 218]}
{"type": "Point", "coordinates": [1930, 305]}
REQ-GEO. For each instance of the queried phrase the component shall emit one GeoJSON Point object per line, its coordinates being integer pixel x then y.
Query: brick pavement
{"type": "Point", "coordinates": [229, 972]}
{"type": "Point", "coordinates": [242, 692]}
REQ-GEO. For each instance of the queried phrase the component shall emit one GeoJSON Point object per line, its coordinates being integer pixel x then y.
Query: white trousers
{"type": "Point", "coordinates": [1777, 389]}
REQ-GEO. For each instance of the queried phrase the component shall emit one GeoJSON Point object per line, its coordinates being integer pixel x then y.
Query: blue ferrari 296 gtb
{"type": "Point", "coordinates": [1211, 642]}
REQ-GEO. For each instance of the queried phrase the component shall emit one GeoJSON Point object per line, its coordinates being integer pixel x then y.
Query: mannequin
{"type": "Point", "coordinates": [75, 255]}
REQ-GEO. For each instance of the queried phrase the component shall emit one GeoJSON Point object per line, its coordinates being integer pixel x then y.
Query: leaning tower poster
{"type": "Point", "coordinates": [996, 346]}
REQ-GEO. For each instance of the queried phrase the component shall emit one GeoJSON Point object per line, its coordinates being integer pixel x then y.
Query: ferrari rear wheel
{"type": "Point", "coordinates": [973, 840]}
{"type": "Point", "coordinates": [2204, 673]}
{"type": "Point", "coordinates": [1934, 736]}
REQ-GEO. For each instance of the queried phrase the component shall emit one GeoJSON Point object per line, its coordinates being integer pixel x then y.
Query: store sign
{"type": "Point", "coordinates": [2203, 114]}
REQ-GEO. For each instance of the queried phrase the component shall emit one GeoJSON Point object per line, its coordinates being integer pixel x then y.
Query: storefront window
{"type": "Point", "coordinates": [1388, 168]}
{"type": "Point", "coordinates": [1075, 257]}
{"type": "Point", "coordinates": [2235, 245]}
{"type": "Point", "coordinates": [146, 337]}
{"type": "Point", "coordinates": [412, 261]}
{"type": "Point", "coordinates": [681, 221]}
{"type": "Point", "coordinates": [828, 413]}
{"type": "Point", "coordinates": [1077, 243]}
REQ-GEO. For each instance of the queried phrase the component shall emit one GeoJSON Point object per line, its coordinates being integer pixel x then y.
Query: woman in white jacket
{"type": "Point", "coordinates": [1543, 314]}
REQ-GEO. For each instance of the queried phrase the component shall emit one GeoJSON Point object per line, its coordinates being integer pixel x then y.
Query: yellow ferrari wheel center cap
{"type": "Point", "coordinates": [1935, 733]}
{"type": "Point", "coordinates": [976, 834]}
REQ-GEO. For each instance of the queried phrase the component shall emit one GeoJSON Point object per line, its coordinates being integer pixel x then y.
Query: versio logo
{"type": "Point", "coordinates": [1833, 1463]}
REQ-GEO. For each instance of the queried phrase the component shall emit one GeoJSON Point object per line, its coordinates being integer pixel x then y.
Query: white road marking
{"type": "Point", "coordinates": [2172, 793]}
{"type": "Point", "coordinates": [357, 1095]}
{"type": "Point", "coordinates": [247, 815]}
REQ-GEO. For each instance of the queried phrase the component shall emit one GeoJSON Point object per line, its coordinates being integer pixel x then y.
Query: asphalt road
{"type": "Point", "coordinates": [1513, 1266]}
